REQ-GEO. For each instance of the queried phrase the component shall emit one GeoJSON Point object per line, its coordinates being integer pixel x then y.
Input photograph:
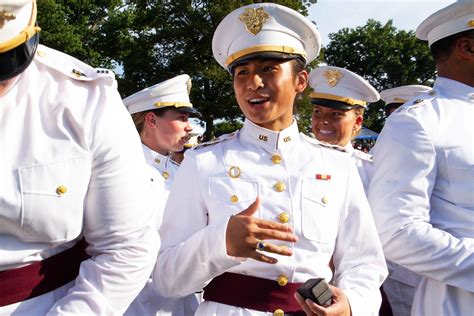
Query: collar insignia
{"type": "Point", "coordinates": [6, 16]}
{"type": "Point", "coordinates": [332, 76]}
{"type": "Point", "coordinates": [254, 18]}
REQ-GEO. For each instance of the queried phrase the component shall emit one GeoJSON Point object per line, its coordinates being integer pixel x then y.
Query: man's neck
{"type": "Point", "coordinates": [6, 85]}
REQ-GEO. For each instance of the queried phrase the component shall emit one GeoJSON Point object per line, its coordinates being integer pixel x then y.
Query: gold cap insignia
{"type": "Point", "coordinates": [470, 23]}
{"type": "Point", "coordinates": [189, 85]}
{"type": "Point", "coordinates": [6, 16]}
{"type": "Point", "coordinates": [254, 18]}
{"type": "Point", "coordinates": [332, 76]}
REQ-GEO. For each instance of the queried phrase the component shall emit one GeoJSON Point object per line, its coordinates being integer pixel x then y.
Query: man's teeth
{"type": "Point", "coordinates": [256, 101]}
{"type": "Point", "coordinates": [325, 132]}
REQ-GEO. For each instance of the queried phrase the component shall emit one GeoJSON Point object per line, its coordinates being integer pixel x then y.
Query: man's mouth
{"type": "Point", "coordinates": [325, 132]}
{"type": "Point", "coordinates": [258, 101]}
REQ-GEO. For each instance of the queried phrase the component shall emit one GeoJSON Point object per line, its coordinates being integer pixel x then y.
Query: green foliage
{"type": "Point", "coordinates": [227, 127]}
{"type": "Point", "coordinates": [148, 41]}
{"type": "Point", "coordinates": [383, 55]}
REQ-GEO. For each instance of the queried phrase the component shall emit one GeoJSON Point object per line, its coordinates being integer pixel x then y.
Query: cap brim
{"type": "Point", "coordinates": [335, 104]}
{"type": "Point", "coordinates": [263, 55]}
{"type": "Point", "coordinates": [191, 111]}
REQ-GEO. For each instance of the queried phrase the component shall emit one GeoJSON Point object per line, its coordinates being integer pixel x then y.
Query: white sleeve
{"type": "Point", "coordinates": [405, 171]}
{"type": "Point", "coordinates": [358, 256]}
{"type": "Point", "coordinates": [193, 251]}
{"type": "Point", "coordinates": [119, 222]}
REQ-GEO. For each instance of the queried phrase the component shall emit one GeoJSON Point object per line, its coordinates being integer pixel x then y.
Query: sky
{"type": "Point", "coordinates": [332, 15]}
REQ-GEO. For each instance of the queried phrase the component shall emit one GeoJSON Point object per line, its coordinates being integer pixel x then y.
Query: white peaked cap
{"type": "Point", "coordinates": [264, 28]}
{"type": "Point", "coordinates": [347, 89]}
{"type": "Point", "coordinates": [15, 17]}
{"type": "Point", "coordinates": [173, 92]}
{"type": "Point", "coordinates": [403, 93]}
{"type": "Point", "coordinates": [454, 18]}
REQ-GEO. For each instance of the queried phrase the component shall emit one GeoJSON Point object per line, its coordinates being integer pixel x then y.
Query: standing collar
{"type": "Point", "coordinates": [349, 148]}
{"type": "Point", "coordinates": [157, 160]}
{"type": "Point", "coordinates": [267, 139]}
{"type": "Point", "coordinates": [454, 89]}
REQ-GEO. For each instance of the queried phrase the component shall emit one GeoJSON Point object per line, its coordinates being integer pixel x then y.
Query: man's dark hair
{"type": "Point", "coordinates": [443, 48]}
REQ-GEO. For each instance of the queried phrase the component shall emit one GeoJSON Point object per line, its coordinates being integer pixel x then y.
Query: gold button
{"type": "Point", "coordinates": [234, 199]}
{"type": "Point", "coordinates": [278, 312]}
{"type": "Point", "coordinates": [165, 175]}
{"type": "Point", "coordinates": [280, 186]}
{"type": "Point", "coordinates": [470, 23]}
{"type": "Point", "coordinates": [282, 280]}
{"type": "Point", "coordinates": [61, 190]}
{"type": "Point", "coordinates": [157, 160]}
{"type": "Point", "coordinates": [325, 200]}
{"type": "Point", "coordinates": [284, 217]}
{"type": "Point", "coordinates": [234, 172]}
{"type": "Point", "coordinates": [276, 159]}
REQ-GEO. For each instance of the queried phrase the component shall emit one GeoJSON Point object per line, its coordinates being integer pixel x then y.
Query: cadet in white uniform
{"type": "Point", "coordinates": [160, 114]}
{"type": "Point", "coordinates": [340, 98]}
{"type": "Point", "coordinates": [395, 97]}
{"type": "Point", "coordinates": [422, 187]}
{"type": "Point", "coordinates": [311, 213]}
{"type": "Point", "coordinates": [401, 282]}
{"type": "Point", "coordinates": [70, 169]}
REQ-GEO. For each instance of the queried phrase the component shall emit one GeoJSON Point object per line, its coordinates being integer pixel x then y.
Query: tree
{"type": "Point", "coordinates": [384, 56]}
{"type": "Point", "coordinates": [150, 41]}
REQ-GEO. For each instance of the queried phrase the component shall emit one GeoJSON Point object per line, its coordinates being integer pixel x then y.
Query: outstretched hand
{"type": "Point", "coordinates": [244, 232]}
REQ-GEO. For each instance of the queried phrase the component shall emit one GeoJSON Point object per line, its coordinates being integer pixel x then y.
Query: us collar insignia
{"type": "Point", "coordinates": [333, 76]}
{"type": "Point", "coordinates": [254, 18]}
{"type": "Point", "coordinates": [6, 16]}
{"type": "Point", "coordinates": [320, 176]}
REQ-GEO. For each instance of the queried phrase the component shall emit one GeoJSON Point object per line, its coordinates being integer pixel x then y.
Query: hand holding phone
{"type": "Point", "coordinates": [316, 290]}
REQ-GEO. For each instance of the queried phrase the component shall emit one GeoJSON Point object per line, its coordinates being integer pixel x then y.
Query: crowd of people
{"type": "Point", "coordinates": [102, 212]}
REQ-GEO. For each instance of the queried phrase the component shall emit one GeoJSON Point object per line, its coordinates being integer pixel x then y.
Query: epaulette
{"type": "Point", "coordinates": [71, 66]}
{"type": "Point", "coordinates": [419, 101]}
{"type": "Point", "coordinates": [362, 155]}
{"type": "Point", "coordinates": [324, 144]}
{"type": "Point", "coordinates": [215, 141]}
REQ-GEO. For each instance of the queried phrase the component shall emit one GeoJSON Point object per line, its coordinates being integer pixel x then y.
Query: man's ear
{"type": "Point", "coordinates": [465, 48]}
{"type": "Point", "coordinates": [301, 81]}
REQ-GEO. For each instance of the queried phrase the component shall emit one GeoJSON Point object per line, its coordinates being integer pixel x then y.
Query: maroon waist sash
{"type": "Point", "coordinates": [253, 293]}
{"type": "Point", "coordinates": [41, 277]}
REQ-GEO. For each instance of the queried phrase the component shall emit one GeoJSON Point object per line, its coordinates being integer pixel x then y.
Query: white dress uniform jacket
{"type": "Point", "coordinates": [422, 196]}
{"type": "Point", "coordinates": [331, 217]}
{"type": "Point", "coordinates": [63, 125]}
{"type": "Point", "coordinates": [363, 162]}
{"type": "Point", "coordinates": [149, 302]}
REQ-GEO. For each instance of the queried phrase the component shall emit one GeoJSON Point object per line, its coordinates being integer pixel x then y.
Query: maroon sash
{"type": "Point", "coordinates": [41, 277]}
{"type": "Point", "coordinates": [253, 293]}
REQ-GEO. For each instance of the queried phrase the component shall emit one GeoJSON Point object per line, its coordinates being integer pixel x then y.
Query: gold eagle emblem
{"type": "Point", "coordinates": [333, 76]}
{"type": "Point", "coordinates": [6, 16]}
{"type": "Point", "coordinates": [254, 18]}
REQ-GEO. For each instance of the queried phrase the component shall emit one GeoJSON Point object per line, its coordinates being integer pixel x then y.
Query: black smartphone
{"type": "Point", "coordinates": [316, 290]}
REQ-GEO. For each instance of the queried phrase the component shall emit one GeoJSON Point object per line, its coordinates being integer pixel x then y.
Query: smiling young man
{"type": "Point", "coordinates": [256, 213]}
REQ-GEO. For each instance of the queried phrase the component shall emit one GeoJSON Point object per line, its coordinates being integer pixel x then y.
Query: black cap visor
{"type": "Point", "coordinates": [263, 55]}
{"type": "Point", "coordinates": [334, 104]}
{"type": "Point", "coordinates": [191, 111]}
{"type": "Point", "coordinates": [16, 60]}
